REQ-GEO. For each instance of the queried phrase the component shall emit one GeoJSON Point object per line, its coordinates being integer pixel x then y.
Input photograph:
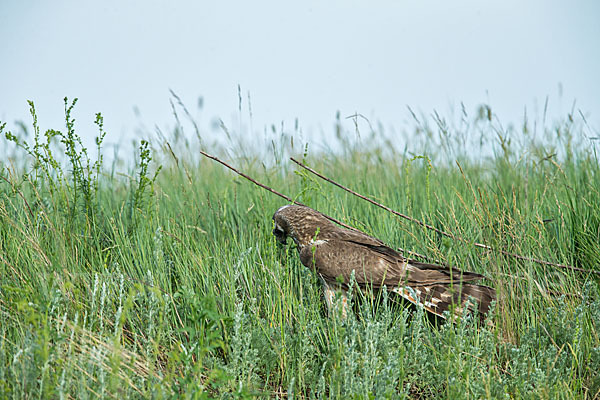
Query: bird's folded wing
{"type": "Point", "coordinates": [411, 271]}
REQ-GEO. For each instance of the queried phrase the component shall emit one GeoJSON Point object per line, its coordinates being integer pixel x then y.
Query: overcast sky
{"type": "Point", "coordinates": [302, 60]}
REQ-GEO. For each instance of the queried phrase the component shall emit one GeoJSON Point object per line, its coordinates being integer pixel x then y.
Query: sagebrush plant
{"type": "Point", "coordinates": [170, 285]}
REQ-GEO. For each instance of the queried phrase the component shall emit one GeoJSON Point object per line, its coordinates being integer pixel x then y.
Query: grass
{"type": "Point", "coordinates": [167, 283]}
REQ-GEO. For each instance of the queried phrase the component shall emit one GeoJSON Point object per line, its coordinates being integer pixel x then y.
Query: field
{"type": "Point", "coordinates": [161, 278]}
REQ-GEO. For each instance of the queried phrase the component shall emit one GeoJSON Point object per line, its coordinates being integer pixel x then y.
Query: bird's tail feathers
{"type": "Point", "coordinates": [447, 300]}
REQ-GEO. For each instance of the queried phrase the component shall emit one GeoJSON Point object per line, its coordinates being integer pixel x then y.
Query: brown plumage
{"type": "Point", "coordinates": [334, 252]}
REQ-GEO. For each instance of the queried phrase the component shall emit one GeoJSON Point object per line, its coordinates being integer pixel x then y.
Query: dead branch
{"type": "Point", "coordinates": [411, 219]}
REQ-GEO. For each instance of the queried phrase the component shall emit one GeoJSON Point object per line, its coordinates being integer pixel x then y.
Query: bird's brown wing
{"type": "Point", "coordinates": [398, 268]}
{"type": "Point", "coordinates": [335, 260]}
{"type": "Point", "coordinates": [436, 287]}
{"type": "Point", "coordinates": [349, 237]}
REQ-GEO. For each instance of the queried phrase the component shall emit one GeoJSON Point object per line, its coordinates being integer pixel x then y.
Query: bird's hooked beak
{"type": "Point", "coordinates": [280, 234]}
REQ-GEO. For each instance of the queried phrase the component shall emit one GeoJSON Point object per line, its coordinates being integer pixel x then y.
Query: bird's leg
{"type": "Point", "coordinates": [336, 299]}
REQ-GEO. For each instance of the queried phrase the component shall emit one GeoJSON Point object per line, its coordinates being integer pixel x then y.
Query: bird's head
{"type": "Point", "coordinates": [281, 225]}
{"type": "Point", "coordinates": [298, 222]}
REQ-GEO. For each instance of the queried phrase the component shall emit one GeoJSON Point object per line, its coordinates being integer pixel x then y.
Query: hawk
{"type": "Point", "coordinates": [335, 253]}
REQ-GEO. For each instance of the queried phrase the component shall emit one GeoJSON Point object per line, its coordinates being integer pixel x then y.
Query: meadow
{"type": "Point", "coordinates": [160, 278]}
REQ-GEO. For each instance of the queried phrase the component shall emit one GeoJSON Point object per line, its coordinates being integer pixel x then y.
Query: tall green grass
{"type": "Point", "coordinates": [167, 283]}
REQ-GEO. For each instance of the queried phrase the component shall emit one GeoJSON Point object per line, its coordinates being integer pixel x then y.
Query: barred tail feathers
{"type": "Point", "coordinates": [438, 298]}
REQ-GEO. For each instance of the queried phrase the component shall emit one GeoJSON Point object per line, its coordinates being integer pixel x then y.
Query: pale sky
{"type": "Point", "coordinates": [304, 60]}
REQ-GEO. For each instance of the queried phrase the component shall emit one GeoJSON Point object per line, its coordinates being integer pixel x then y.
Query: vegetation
{"type": "Point", "coordinates": [168, 283]}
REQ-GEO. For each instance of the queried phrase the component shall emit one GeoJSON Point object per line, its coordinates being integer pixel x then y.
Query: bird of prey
{"type": "Point", "coordinates": [335, 253]}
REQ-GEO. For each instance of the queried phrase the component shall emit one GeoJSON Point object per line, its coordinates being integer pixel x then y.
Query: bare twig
{"type": "Point", "coordinates": [411, 253]}
{"type": "Point", "coordinates": [270, 189]}
{"type": "Point", "coordinates": [433, 228]}
{"type": "Point", "coordinates": [480, 245]}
